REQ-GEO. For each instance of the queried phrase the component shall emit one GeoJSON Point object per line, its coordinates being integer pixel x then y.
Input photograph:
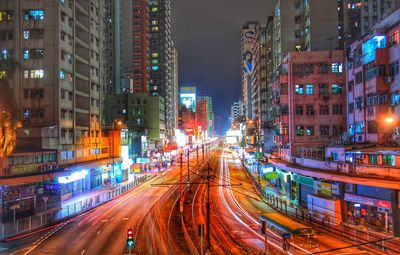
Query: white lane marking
{"type": "Point", "coordinates": [98, 232]}
{"type": "Point", "coordinates": [104, 220]}
{"type": "Point", "coordinates": [83, 252]}
{"type": "Point", "coordinates": [31, 249]}
{"type": "Point", "coordinates": [125, 218]}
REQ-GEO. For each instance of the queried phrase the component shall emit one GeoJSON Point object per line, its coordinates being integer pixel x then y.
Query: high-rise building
{"type": "Point", "coordinates": [57, 86]}
{"type": "Point", "coordinates": [310, 110]}
{"type": "Point", "coordinates": [134, 46]}
{"type": "Point", "coordinates": [304, 25]}
{"type": "Point", "coordinates": [204, 115]}
{"type": "Point", "coordinates": [247, 44]}
{"type": "Point", "coordinates": [359, 16]}
{"type": "Point", "coordinates": [162, 57]}
{"type": "Point", "coordinates": [58, 81]}
{"type": "Point", "coordinates": [373, 88]}
{"type": "Point", "coordinates": [236, 110]}
{"type": "Point", "coordinates": [172, 115]}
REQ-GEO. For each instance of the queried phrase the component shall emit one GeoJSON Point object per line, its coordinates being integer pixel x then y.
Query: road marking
{"type": "Point", "coordinates": [125, 218]}
{"type": "Point", "coordinates": [98, 232]}
{"type": "Point", "coordinates": [104, 220]}
{"type": "Point", "coordinates": [31, 249]}
{"type": "Point", "coordinates": [83, 252]}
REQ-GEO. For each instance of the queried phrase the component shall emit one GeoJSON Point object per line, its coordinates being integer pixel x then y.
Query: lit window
{"type": "Point", "coordinates": [310, 131]}
{"type": "Point", "coordinates": [154, 55]}
{"type": "Point", "coordinates": [309, 89]}
{"type": "Point", "coordinates": [25, 34]}
{"type": "Point", "coordinates": [37, 74]}
{"type": "Point", "coordinates": [26, 54]}
{"type": "Point", "coordinates": [299, 89]}
{"type": "Point", "coordinates": [62, 74]}
{"type": "Point", "coordinates": [154, 68]}
{"type": "Point", "coordinates": [154, 9]}
{"type": "Point", "coordinates": [34, 15]}
{"type": "Point", "coordinates": [336, 89]}
{"type": "Point", "coordinates": [154, 29]}
{"type": "Point", "coordinates": [337, 67]}
{"type": "Point", "coordinates": [6, 16]}
{"type": "Point", "coordinates": [26, 74]}
{"type": "Point", "coordinates": [299, 130]}
{"type": "Point", "coordinates": [3, 75]}
{"type": "Point", "coordinates": [154, 61]}
{"type": "Point", "coordinates": [4, 54]}
{"type": "Point", "coordinates": [154, 22]}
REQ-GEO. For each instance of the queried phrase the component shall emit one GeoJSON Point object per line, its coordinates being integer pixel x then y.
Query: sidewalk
{"type": "Point", "coordinates": [276, 200]}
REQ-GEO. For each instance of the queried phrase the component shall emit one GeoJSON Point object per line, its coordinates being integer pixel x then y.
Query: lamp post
{"type": "Point", "coordinates": [197, 159]}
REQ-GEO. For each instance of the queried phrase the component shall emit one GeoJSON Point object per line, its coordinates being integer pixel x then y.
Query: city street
{"type": "Point", "coordinates": [103, 229]}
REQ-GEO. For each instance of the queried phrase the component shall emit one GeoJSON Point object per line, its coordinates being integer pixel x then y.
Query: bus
{"type": "Point", "coordinates": [301, 235]}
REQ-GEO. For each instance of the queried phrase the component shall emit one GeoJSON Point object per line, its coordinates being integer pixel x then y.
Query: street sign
{"type": "Point", "coordinates": [15, 206]}
{"type": "Point", "coordinates": [271, 175]}
{"type": "Point", "coordinates": [45, 199]}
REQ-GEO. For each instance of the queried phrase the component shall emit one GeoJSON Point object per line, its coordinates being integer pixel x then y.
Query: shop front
{"type": "Point", "coordinates": [304, 186]}
{"type": "Point", "coordinates": [96, 177]}
{"type": "Point", "coordinates": [74, 183]}
{"type": "Point", "coordinates": [369, 212]}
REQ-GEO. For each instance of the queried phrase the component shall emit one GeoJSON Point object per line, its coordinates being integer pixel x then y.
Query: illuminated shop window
{"type": "Point", "coordinates": [34, 15]}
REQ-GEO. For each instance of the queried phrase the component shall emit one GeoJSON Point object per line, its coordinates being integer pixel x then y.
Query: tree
{"type": "Point", "coordinates": [9, 121]}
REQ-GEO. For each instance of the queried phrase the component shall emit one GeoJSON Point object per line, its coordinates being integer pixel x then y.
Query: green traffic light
{"type": "Point", "coordinates": [130, 242]}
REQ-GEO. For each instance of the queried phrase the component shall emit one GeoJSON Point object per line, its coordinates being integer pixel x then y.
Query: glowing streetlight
{"type": "Point", "coordinates": [389, 120]}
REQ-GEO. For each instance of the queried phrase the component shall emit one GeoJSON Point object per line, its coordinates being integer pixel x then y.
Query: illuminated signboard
{"type": "Point", "coordinates": [75, 176]}
{"type": "Point", "coordinates": [189, 100]}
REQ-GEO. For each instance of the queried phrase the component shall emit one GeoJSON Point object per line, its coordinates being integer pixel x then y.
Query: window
{"type": "Point", "coordinates": [154, 61]}
{"type": "Point", "coordinates": [299, 109]}
{"type": "Point", "coordinates": [309, 89]}
{"type": "Point", "coordinates": [3, 74]}
{"type": "Point", "coordinates": [336, 89]}
{"type": "Point", "coordinates": [351, 107]}
{"type": "Point", "coordinates": [34, 15]}
{"type": "Point", "coordinates": [154, 9]}
{"type": "Point", "coordinates": [323, 89]}
{"type": "Point", "coordinates": [324, 110]}
{"type": "Point", "coordinates": [394, 68]}
{"type": "Point", "coordinates": [388, 160]}
{"type": "Point", "coordinates": [310, 110]}
{"type": "Point", "coordinates": [358, 77]}
{"type": "Point", "coordinates": [337, 130]}
{"type": "Point", "coordinates": [297, 19]}
{"type": "Point", "coordinates": [351, 85]}
{"type": "Point", "coordinates": [154, 29]}
{"type": "Point", "coordinates": [323, 68]}
{"type": "Point", "coordinates": [334, 156]}
{"type": "Point", "coordinates": [297, 34]}
{"type": "Point", "coordinates": [324, 130]}
{"type": "Point", "coordinates": [372, 127]}
{"type": "Point", "coordinates": [34, 74]}
{"type": "Point", "coordinates": [310, 131]}
{"type": "Point", "coordinates": [337, 67]}
{"type": "Point", "coordinates": [6, 15]}
{"type": "Point", "coordinates": [154, 55]}
{"type": "Point", "coordinates": [154, 68]}
{"type": "Point", "coordinates": [337, 109]}
{"type": "Point", "coordinates": [299, 89]}
{"type": "Point", "coordinates": [36, 93]}
{"type": "Point", "coordinates": [62, 74]}
{"type": "Point", "coordinates": [299, 130]}
{"type": "Point", "coordinates": [373, 159]}
{"type": "Point", "coordinates": [26, 93]}
{"type": "Point", "coordinates": [33, 54]}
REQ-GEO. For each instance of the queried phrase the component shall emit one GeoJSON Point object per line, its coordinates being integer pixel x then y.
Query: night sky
{"type": "Point", "coordinates": [207, 36]}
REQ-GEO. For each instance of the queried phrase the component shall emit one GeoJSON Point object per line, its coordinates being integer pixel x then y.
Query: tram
{"type": "Point", "coordinates": [300, 234]}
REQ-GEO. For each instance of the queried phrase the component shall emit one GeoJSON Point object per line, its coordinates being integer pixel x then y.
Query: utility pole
{"type": "Point", "coordinates": [180, 183]}
{"type": "Point", "coordinates": [188, 165]}
{"type": "Point", "coordinates": [197, 159]}
{"type": "Point", "coordinates": [208, 212]}
{"type": "Point", "coordinates": [202, 149]}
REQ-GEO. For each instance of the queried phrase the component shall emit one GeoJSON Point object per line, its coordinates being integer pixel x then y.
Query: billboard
{"type": "Point", "coordinates": [188, 100]}
{"type": "Point", "coordinates": [247, 50]}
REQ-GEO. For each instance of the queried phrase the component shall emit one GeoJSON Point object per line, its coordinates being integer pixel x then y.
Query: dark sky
{"type": "Point", "coordinates": [207, 36]}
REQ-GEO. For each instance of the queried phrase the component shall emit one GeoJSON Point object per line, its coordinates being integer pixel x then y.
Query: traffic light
{"type": "Point", "coordinates": [130, 241]}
